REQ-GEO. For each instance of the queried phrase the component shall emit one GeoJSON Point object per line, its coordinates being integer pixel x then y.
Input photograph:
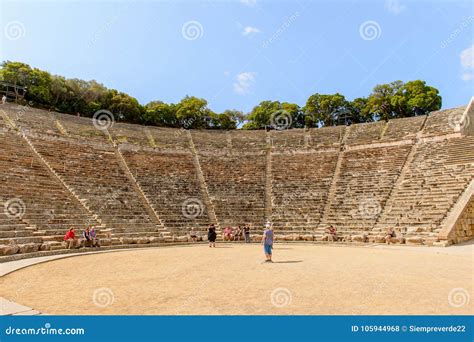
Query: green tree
{"type": "Point", "coordinates": [399, 100]}
{"type": "Point", "coordinates": [276, 115]}
{"type": "Point", "coordinates": [324, 110]}
{"type": "Point", "coordinates": [226, 120]}
{"type": "Point", "coordinates": [160, 114]}
{"type": "Point", "coordinates": [123, 106]}
{"type": "Point", "coordinates": [192, 112]}
{"type": "Point", "coordinates": [416, 98]}
{"type": "Point", "coordinates": [38, 82]}
{"type": "Point", "coordinates": [357, 111]}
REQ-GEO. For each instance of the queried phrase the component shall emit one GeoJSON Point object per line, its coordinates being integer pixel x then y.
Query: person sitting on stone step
{"type": "Point", "coordinates": [228, 234]}
{"type": "Point", "coordinates": [93, 237]}
{"type": "Point", "coordinates": [390, 235]}
{"type": "Point", "coordinates": [331, 234]}
{"type": "Point", "coordinates": [238, 234]}
{"type": "Point", "coordinates": [70, 238]}
{"type": "Point", "coordinates": [193, 235]}
{"type": "Point", "coordinates": [86, 238]}
{"type": "Point", "coordinates": [247, 233]}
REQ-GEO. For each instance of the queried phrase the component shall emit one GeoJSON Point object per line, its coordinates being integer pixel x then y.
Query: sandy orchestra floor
{"type": "Point", "coordinates": [231, 279]}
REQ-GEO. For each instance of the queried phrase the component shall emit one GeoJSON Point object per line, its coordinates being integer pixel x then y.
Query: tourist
{"type": "Point", "coordinates": [86, 237]}
{"type": "Point", "coordinates": [247, 234]}
{"type": "Point", "coordinates": [390, 235]}
{"type": "Point", "coordinates": [211, 235]}
{"type": "Point", "coordinates": [4, 99]}
{"type": "Point", "coordinates": [238, 234]}
{"type": "Point", "coordinates": [267, 242]}
{"type": "Point", "coordinates": [70, 238]}
{"type": "Point", "coordinates": [331, 234]}
{"type": "Point", "coordinates": [93, 237]}
{"type": "Point", "coordinates": [227, 234]}
{"type": "Point", "coordinates": [193, 235]}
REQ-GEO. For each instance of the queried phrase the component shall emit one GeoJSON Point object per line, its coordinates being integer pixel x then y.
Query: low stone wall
{"type": "Point", "coordinates": [464, 227]}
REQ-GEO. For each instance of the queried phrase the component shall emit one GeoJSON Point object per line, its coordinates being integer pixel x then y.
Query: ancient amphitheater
{"type": "Point", "coordinates": [143, 186]}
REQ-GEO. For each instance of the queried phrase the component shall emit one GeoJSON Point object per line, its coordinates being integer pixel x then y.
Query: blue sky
{"type": "Point", "coordinates": [238, 53]}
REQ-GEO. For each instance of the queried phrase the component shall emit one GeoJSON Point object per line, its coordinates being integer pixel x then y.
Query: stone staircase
{"type": "Point", "coordinates": [204, 189]}
{"type": "Point", "coordinates": [268, 182]}
{"type": "Point", "coordinates": [146, 202]}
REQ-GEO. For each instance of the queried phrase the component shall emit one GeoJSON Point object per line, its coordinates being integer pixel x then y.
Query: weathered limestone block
{"type": "Point", "coordinates": [308, 237]}
{"type": "Point", "coordinates": [105, 241]}
{"type": "Point", "coordinates": [291, 237]}
{"type": "Point", "coordinates": [116, 241]}
{"type": "Point", "coordinates": [414, 240]}
{"type": "Point", "coordinates": [155, 239]}
{"type": "Point", "coordinates": [346, 238]}
{"type": "Point", "coordinates": [29, 248]}
{"type": "Point", "coordinates": [359, 238]}
{"type": "Point", "coordinates": [443, 243]}
{"type": "Point", "coordinates": [48, 245]}
{"type": "Point", "coordinates": [255, 238]}
{"type": "Point", "coordinates": [429, 241]}
{"type": "Point", "coordinates": [379, 239]}
{"type": "Point", "coordinates": [9, 249]}
{"type": "Point", "coordinates": [397, 240]}
{"type": "Point", "coordinates": [142, 240]}
{"type": "Point", "coordinates": [181, 238]}
{"type": "Point", "coordinates": [279, 237]}
{"type": "Point", "coordinates": [125, 240]}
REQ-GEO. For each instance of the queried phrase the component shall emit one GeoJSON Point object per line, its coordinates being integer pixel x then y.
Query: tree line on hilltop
{"type": "Point", "coordinates": [76, 96]}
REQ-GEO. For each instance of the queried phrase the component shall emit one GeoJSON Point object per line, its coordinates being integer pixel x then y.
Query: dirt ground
{"type": "Point", "coordinates": [232, 279]}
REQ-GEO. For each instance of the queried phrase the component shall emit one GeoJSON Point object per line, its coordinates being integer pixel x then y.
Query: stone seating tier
{"type": "Point", "coordinates": [69, 173]}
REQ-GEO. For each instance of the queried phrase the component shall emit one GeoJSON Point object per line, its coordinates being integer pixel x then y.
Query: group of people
{"type": "Point", "coordinates": [230, 235]}
{"type": "Point", "coordinates": [89, 238]}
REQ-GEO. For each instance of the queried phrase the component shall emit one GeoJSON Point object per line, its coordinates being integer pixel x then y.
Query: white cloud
{"type": "Point", "coordinates": [467, 63]}
{"type": "Point", "coordinates": [250, 30]}
{"type": "Point", "coordinates": [394, 7]}
{"type": "Point", "coordinates": [250, 3]}
{"type": "Point", "coordinates": [244, 82]}
{"type": "Point", "coordinates": [467, 76]}
{"type": "Point", "coordinates": [467, 58]}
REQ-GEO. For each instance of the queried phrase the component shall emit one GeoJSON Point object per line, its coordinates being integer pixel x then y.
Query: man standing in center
{"type": "Point", "coordinates": [267, 242]}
